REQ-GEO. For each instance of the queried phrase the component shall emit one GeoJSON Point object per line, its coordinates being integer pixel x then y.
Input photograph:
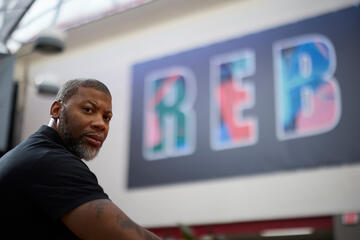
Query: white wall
{"type": "Point", "coordinates": [107, 49]}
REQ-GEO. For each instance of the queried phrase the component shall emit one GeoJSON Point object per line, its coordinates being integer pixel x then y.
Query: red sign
{"type": "Point", "coordinates": [350, 218]}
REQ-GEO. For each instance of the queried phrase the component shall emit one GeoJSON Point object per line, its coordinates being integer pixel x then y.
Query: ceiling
{"type": "Point", "coordinates": [22, 20]}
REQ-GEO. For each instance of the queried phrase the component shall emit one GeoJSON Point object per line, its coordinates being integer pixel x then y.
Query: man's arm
{"type": "Point", "coordinates": [101, 219]}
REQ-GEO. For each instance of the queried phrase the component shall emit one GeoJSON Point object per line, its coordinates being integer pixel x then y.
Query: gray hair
{"type": "Point", "coordinates": [70, 88]}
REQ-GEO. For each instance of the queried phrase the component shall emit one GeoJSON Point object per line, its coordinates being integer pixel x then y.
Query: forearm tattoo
{"type": "Point", "coordinates": [99, 206]}
{"type": "Point", "coordinates": [125, 222]}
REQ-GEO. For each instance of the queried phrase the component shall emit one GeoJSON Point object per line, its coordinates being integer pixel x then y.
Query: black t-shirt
{"type": "Point", "coordinates": [41, 181]}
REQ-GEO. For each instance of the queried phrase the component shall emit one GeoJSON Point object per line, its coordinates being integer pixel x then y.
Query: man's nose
{"type": "Point", "coordinates": [99, 123]}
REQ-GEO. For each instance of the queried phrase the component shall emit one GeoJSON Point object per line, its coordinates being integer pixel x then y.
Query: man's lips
{"type": "Point", "coordinates": [95, 140]}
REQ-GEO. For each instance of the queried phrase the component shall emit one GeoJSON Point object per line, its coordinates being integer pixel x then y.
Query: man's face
{"type": "Point", "coordinates": [84, 122]}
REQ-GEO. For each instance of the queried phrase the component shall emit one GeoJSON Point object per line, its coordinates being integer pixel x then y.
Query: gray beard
{"type": "Point", "coordinates": [76, 146]}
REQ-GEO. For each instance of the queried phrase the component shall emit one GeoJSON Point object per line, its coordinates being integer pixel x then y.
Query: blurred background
{"type": "Point", "coordinates": [233, 119]}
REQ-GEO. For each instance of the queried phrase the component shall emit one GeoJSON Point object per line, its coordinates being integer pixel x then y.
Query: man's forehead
{"type": "Point", "coordinates": [89, 91]}
{"type": "Point", "coordinates": [85, 94]}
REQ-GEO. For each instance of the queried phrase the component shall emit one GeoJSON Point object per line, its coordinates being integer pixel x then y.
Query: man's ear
{"type": "Point", "coordinates": [55, 110]}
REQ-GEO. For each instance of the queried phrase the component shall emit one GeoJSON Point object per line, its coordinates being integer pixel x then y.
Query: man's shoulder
{"type": "Point", "coordinates": [46, 143]}
{"type": "Point", "coordinates": [43, 149]}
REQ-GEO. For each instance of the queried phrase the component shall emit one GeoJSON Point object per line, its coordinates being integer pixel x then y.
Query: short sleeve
{"type": "Point", "coordinates": [62, 183]}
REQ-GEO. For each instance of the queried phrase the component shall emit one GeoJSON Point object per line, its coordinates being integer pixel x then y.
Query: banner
{"type": "Point", "coordinates": [278, 100]}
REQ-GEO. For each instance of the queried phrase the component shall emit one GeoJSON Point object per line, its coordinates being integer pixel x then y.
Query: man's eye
{"type": "Point", "coordinates": [87, 110]}
{"type": "Point", "coordinates": [107, 118]}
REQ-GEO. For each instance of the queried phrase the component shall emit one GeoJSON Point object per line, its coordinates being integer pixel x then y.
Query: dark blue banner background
{"type": "Point", "coordinates": [269, 154]}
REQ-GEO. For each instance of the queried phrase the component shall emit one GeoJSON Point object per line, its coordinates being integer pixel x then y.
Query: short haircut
{"type": "Point", "coordinates": [70, 88]}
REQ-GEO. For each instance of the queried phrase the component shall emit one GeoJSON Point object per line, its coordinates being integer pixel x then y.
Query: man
{"type": "Point", "coordinates": [47, 191]}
